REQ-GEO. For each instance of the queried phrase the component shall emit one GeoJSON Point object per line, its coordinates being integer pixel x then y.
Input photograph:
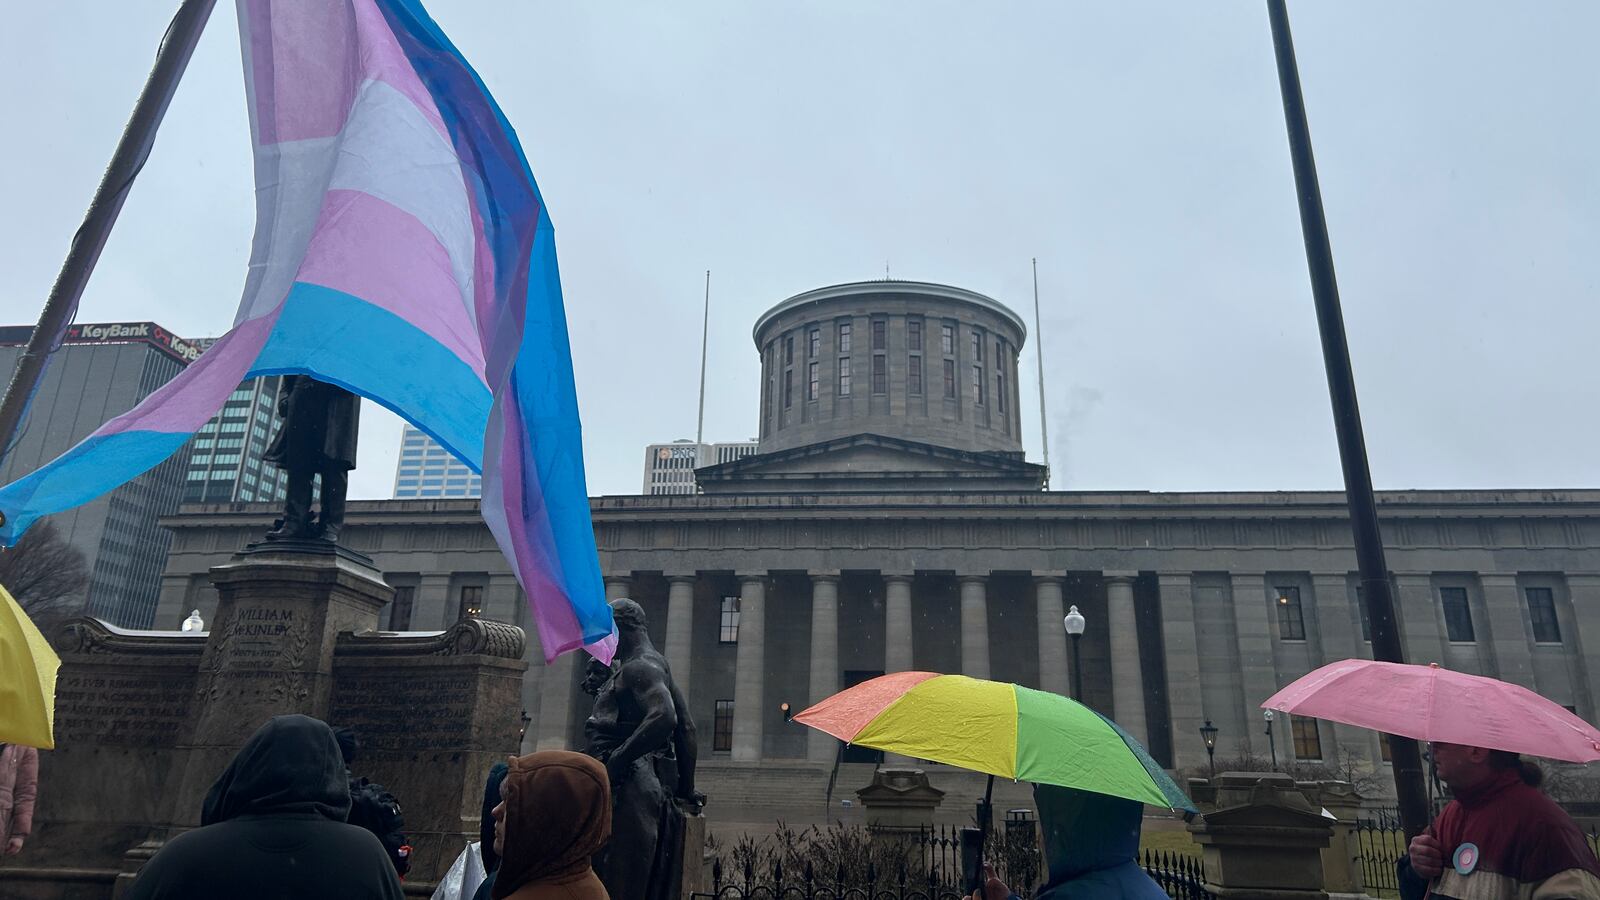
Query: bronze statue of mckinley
{"type": "Point", "coordinates": [317, 436]}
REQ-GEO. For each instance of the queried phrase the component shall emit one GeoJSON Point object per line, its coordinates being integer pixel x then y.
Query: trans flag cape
{"type": "Point", "coordinates": [402, 251]}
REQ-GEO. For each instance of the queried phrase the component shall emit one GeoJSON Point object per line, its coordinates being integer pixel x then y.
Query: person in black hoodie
{"type": "Point", "coordinates": [273, 826]}
{"type": "Point", "coordinates": [491, 799]}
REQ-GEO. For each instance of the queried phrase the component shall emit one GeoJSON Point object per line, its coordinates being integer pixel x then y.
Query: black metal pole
{"type": "Point", "coordinates": [1272, 742]}
{"type": "Point", "coordinates": [172, 57]}
{"type": "Point", "coordinates": [1077, 670]}
{"type": "Point", "coordinates": [1409, 786]}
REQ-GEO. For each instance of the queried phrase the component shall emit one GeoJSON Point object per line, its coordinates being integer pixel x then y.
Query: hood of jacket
{"type": "Point", "coordinates": [1086, 832]}
{"type": "Point", "coordinates": [491, 799]}
{"type": "Point", "coordinates": [558, 813]}
{"type": "Point", "coordinates": [290, 766]}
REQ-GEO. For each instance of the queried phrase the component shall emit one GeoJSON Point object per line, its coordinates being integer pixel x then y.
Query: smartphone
{"type": "Point", "coordinates": [972, 860]}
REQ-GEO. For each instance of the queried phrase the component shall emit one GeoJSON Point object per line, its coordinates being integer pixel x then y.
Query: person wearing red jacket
{"type": "Point", "coordinates": [1501, 838]}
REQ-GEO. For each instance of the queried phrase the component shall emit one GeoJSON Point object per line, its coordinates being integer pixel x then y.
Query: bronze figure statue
{"type": "Point", "coordinates": [641, 729]}
{"type": "Point", "coordinates": [317, 437]}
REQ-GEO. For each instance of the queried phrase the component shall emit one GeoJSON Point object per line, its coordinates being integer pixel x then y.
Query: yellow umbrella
{"type": "Point", "coordinates": [27, 679]}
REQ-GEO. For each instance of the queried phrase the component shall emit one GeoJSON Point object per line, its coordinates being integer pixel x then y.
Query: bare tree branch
{"type": "Point", "coordinates": [45, 574]}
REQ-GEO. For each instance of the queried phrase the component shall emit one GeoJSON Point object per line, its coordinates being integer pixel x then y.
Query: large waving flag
{"type": "Point", "coordinates": [402, 251]}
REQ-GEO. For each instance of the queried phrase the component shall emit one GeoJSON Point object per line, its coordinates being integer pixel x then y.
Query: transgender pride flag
{"type": "Point", "coordinates": [402, 251]}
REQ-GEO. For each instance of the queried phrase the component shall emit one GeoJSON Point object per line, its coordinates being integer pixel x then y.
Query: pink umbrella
{"type": "Point", "coordinates": [1433, 704]}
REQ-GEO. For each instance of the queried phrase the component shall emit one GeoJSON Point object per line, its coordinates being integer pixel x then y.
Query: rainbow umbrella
{"type": "Point", "coordinates": [1005, 730]}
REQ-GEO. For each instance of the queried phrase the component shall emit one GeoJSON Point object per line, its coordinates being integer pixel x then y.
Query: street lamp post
{"type": "Point", "coordinates": [1074, 623]}
{"type": "Point", "coordinates": [1208, 733]}
{"type": "Point", "coordinates": [1272, 744]}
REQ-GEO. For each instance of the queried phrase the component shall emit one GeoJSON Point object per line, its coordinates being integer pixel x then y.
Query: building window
{"type": "Point", "coordinates": [844, 337]}
{"type": "Point", "coordinates": [914, 334]}
{"type": "Point", "coordinates": [914, 375]}
{"type": "Point", "coordinates": [400, 611]}
{"type": "Point", "coordinates": [722, 727]}
{"type": "Point", "coordinates": [813, 343]}
{"type": "Point", "coordinates": [977, 385]}
{"type": "Point", "coordinates": [728, 632]}
{"type": "Point", "coordinates": [949, 379]}
{"type": "Point", "coordinates": [1291, 624]}
{"type": "Point", "coordinates": [1383, 747]}
{"type": "Point", "coordinates": [811, 381]}
{"type": "Point", "coordinates": [947, 339]}
{"type": "Point", "coordinates": [1542, 612]}
{"type": "Point", "coordinates": [977, 346]}
{"type": "Point", "coordinates": [788, 387]}
{"type": "Point", "coordinates": [471, 601]}
{"type": "Point", "coordinates": [844, 376]}
{"type": "Point", "coordinates": [788, 349]}
{"type": "Point", "coordinates": [1307, 741]}
{"type": "Point", "coordinates": [880, 374]}
{"type": "Point", "coordinates": [1457, 615]}
{"type": "Point", "coordinates": [880, 334]}
{"type": "Point", "coordinates": [1000, 390]}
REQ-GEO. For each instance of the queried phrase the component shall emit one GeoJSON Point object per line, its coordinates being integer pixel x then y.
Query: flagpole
{"type": "Point", "coordinates": [138, 136]}
{"type": "Point", "coordinates": [705, 336]}
{"type": "Point", "coordinates": [1038, 353]}
{"type": "Point", "coordinates": [1376, 596]}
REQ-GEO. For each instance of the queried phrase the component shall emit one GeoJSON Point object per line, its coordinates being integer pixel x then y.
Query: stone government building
{"type": "Point", "coordinates": [889, 521]}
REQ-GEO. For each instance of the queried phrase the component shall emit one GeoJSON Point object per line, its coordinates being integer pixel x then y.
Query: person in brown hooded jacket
{"type": "Point", "coordinates": [554, 813]}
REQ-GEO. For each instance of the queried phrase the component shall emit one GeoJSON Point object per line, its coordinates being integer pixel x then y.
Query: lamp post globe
{"type": "Point", "coordinates": [1073, 621]}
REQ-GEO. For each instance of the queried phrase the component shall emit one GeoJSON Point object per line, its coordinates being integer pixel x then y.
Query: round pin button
{"type": "Point", "coordinates": [1466, 859]}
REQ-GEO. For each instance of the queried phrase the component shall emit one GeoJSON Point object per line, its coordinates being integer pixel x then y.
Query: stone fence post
{"type": "Point", "coordinates": [1262, 840]}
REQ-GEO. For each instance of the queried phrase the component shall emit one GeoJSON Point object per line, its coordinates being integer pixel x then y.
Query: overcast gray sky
{"type": "Point", "coordinates": [1137, 149]}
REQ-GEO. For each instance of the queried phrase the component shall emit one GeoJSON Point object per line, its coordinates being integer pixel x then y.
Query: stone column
{"type": "Point", "coordinates": [430, 607]}
{"type": "Point", "coordinates": [898, 640]}
{"type": "Point", "coordinates": [1584, 589]}
{"type": "Point", "coordinates": [1053, 673]}
{"type": "Point", "coordinates": [749, 676]}
{"type": "Point", "coordinates": [820, 746]}
{"type": "Point", "coordinates": [1508, 635]}
{"type": "Point", "coordinates": [1418, 613]}
{"type": "Point", "coordinates": [1185, 703]}
{"type": "Point", "coordinates": [679, 648]}
{"type": "Point", "coordinates": [1254, 624]}
{"type": "Point", "coordinates": [501, 597]}
{"type": "Point", "coordinates": [1339, 631]}
{"type": "Point", "coordinates": [974, 626]}
{"type": "Point", "coordinates": [1127, 676]}
{"type": "Point", "coordinates": [618, 586]}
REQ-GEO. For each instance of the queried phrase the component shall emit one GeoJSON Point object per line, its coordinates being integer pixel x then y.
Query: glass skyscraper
{"type": "Point", "coordinates": [225, 463]}
{"type": "Point", "coordinates": [428, 470]}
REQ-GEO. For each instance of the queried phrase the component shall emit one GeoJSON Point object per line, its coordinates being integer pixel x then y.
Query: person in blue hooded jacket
{"type": "Point", "coordinates": [1091, 844]}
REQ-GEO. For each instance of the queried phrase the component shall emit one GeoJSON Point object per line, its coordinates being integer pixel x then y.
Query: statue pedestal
{"type": "Point", "coordinates": [146, 721]}
{"type": "Point", "coordinates": [270, 650]}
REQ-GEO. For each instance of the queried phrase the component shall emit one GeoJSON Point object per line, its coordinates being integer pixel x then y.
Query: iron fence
{"type": "Point", "coordinates": [841, 863]}
{"type": "Point", "coordinates": [1180, 875]}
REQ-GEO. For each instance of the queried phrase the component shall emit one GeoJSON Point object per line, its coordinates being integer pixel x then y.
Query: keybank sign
{"type": "Point", "coordinates": [146, 332]}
